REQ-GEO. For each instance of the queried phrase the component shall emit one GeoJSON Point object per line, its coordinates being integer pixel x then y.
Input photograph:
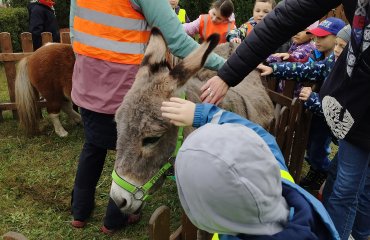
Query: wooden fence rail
{"type": "Point", "coordinates": [9, 59]}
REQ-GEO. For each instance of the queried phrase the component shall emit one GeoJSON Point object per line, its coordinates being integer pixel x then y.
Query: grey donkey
{"type": "Point", "coordinates": [146, 140]}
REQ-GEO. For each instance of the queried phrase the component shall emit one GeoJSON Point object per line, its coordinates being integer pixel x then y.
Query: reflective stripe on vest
{"type": "Point", "coordinates": [207, 27]}
{"type": "Point", "coordinates": [116, 34]}
{"type": "Point", "coordinates": [182, 15]}
{"type": "Point", "coordinates": [284, 174]}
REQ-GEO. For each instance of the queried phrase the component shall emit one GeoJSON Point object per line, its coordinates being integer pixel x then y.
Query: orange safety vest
{"type": "Point", "coordinates": [207, 27]}
{"type": "Point", "coordinates": [110, 30]}
{"type": "Point", "coordinates": [249, 28]}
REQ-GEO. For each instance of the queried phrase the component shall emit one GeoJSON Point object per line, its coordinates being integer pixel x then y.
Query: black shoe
{"type": "Point", "coordinates": [314, 179]}
{"type": "Point", "coordinates": [320, 179]}
{"type": "Point", "coordinates": [309, 178]}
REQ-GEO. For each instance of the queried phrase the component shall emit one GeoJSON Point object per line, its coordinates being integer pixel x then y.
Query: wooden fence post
{"type": "Point", "coordinates": [10, 71]}
{"type": "Point", "coordinates": [65, 38]}
{"type": "Point", "coordinates": [189, 231]}
{"type": "Point", "coordinates": [26, 40]}
{"type": "Point", "coordinates": [159, 224]}
{"type": "Point", "coordinates": [46, 37]}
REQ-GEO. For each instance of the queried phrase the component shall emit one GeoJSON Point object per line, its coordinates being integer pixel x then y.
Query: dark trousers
{"type": "Point", "coordinates": [100, 135]}
{"type": "Point", "coordinates": [318, 147]}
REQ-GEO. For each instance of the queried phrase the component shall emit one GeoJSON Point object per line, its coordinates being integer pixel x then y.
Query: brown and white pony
{"type": "Point", "coordinates": [48, 71]}
{"type": "Point", "coordinates": [146, 140]}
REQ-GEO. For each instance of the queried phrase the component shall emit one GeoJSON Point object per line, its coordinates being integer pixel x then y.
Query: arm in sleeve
{"type": "Point", "coordinates": [240, 32]}
{"type": "Point", "coordinates": [301, 53]}
{"type": "Point", "coordinates": [159, 14]}
{"type": "Point", "coordinates": [192, 28]}
{"type": "Point", "coordinates": [312, 71]}
{"type": "Point", "coordinates": [313, 104]}
{"type": "Point", "coordinates": [288, 18]}
{"type": "Point", "coordinates": [72, 13]}
{"type": "Point", "coordinates": [208, 113]}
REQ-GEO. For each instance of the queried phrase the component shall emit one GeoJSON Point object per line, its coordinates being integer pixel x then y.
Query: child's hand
{"type": "Point", "coordinates": [179, 111]}
{"type": "Point", "coordinates": [305, 93]}
{"type": "Point", "coordinates": [236, 40]}
{"type": "Point", "coordinates": [283, 56]}
{"type": "Point", "coordinates": [265, 70]}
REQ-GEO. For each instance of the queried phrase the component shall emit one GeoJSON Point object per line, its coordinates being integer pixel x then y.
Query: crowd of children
{"type": "Point", "coordinates": [311, 57]}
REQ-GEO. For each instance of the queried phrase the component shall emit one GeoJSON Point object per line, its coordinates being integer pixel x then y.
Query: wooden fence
{"type": "Point", "coordinates": [9, 59]}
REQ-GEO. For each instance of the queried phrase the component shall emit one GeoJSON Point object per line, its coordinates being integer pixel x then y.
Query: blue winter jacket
{"type": "Point", "coordinates": [309, 219]}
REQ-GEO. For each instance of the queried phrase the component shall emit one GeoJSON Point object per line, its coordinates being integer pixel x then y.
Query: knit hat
{"type": "Point", "coordinates": [313, 25]}
{"type": "Point", "coordinates": [229, 181]}
{"type": "Point", "coordinates": [329, 26]}
{"type": "Point", "coordinates": [345, 33]}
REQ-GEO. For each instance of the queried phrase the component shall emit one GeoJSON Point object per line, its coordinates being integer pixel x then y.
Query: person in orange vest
{"type": "Point", "coordinates": [260, 10]}
{"type": "Point", "coordinates": [109, 39]}
{"type": "Point", "coordinates": [220, 19]}
{"type": "Point", "coordinates": [181, 13]}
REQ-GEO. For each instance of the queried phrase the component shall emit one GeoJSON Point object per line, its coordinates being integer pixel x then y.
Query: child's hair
{"type": "Point", "coordinates": [272, 2]}
{"type": "Point", "coordinates": [226, 7]}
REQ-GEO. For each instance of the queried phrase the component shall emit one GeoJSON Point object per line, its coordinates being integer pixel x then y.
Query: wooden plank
{"type": "Point", "coordinates": [65, 37]}
{"type": "Point", "coordinates": [189, 231]}
{"type": "Point", "coordinates": [203, 235]}
{"type": "Point", "coordinates": [289, 87]}
{"type": "Point", "coordinates": [159, 224]}
{"type": "Point", "coordinates": [271, 83]}
{"type": "Point", "coordinates": [6, 47]}
{"type": "Point", "coordinates": [12, 105]}
{"type": "Point", "coordinates": [281, 128]}
{"type": "Point", "coordinates": [26, 40]}
{"type": "Point", "coordinates": [176, 235]}
{"type": "Point", "coordinates": [279, 98]}
{"type": "Point", "coordinates": [46, 37]}
{"type": "Point", "coordinates": [13, 57]}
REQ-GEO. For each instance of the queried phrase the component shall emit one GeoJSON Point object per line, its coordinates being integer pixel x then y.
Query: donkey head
{"type": "Point", "coordinates": [145, 139]}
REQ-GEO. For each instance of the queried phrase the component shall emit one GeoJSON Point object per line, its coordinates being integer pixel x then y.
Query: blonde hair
{"type": "Point", "coordinates": [226, 7]}
{"type": "Point", "coordinates": [272, 2]}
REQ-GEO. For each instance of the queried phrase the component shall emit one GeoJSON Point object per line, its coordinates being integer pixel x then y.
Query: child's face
{"type": "Point", "coordinates": [325, 44]}
{"type": "Point", "coordinates": [340, 44]}
{"type": "Point", "coordinates": [174, 3]}
{"type": "Point", "coordinates": [216, 16]}
{"type": "Point", "coordinates": [260, 10]}
{"type": "Point", "coordinates": [302, 37]}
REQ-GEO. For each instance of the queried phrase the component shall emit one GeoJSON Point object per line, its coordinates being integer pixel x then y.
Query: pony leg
{"type": "Point", "coordinates": [72, 114]}
{"type": "Point", "coordinates": [59, 130]}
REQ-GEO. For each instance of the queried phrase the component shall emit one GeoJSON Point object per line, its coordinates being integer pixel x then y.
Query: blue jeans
{"type": "Point", "coordinates": [332, 175]}
{"type": "Point", "coordinates": [318, 146]}
{"type": "Point", "coordinates": [349, 203]}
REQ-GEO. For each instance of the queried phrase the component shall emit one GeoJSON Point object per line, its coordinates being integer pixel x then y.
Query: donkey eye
{"type": "Point", "coordinates": [150, 140]}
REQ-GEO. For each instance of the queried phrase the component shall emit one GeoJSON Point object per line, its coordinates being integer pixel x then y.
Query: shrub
{"type": "Point", "coordinates": [14, 21]}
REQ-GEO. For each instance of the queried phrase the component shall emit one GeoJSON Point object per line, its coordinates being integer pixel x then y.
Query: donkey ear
{"type": "Point", "coordinates": [195, 61]}
{"type": "Point", "coordinates": [155, 53]}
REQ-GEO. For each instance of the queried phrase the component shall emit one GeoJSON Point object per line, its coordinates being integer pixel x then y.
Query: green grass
{"type": "Point", "coordinates": [4, 95]}
{"type": "Point", "coordinates": [36, 179]}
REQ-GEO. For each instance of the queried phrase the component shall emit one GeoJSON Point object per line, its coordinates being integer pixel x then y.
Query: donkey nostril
{"type": "Point", "coordinates": [123, 204]}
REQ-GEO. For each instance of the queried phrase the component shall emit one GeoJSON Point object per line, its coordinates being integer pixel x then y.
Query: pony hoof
{"type": "Point", "coordinates": [62, 133]}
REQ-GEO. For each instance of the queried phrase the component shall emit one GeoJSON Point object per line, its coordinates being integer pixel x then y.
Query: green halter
{"type": "Point", "coordinates": [142, 192]}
